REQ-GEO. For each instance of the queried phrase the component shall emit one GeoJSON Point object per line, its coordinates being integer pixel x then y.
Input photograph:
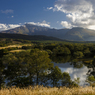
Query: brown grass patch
{"type": "Point", "coordinates": [40, 90]}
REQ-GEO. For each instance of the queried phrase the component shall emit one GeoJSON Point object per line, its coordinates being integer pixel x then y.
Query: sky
{"type": "Point", "coordinates": [48, 13]}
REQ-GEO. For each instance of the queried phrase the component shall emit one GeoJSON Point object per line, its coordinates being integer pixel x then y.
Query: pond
{"type": "Point", "coordinates": [75, 69]}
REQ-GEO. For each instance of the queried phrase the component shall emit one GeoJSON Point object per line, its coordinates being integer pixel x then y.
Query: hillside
{"type": "Point", "coordinates": [30, 29]}
{"type": "Point", "coordinates": [74, 34]}
{"type": "Point", "coordinates": [80, 34]}
{"type": "Point", "coordinates": [28, 37]}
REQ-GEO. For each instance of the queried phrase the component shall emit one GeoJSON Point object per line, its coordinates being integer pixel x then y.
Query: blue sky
{"type": "Point", "coordinates": [49, 13]}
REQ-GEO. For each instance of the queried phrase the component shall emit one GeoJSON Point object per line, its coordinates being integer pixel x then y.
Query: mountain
{"type": "Point", "coordinates": [29, 29]}
{"type": "Point", "coordinates": [28, 37]}
{"type": "Point", "coordinates": [80, 34]}
{"type": "Point", "coordinates": [74, 34]}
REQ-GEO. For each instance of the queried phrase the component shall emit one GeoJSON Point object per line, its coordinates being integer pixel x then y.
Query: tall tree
{"type": "Point", "coordinates": [40, 63]}
{"type": "Point", "coordinates": [55, 76]}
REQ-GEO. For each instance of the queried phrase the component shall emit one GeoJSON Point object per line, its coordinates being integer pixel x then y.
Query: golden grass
{"type": "Point", "coordinates": [19, 46]}
{"type": "Point", "coordinates": [39, 90]}
{"type": "Point", "coordinates": [19, 50]}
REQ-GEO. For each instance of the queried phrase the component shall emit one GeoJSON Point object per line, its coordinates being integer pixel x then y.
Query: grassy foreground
{"type": "Point", "coordinates": [39, 90]}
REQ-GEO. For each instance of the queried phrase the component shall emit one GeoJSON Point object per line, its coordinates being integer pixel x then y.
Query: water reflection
{"type": "Point", "coordinates": [74, 72]}
{"type": "Point", "coordinates": [74, 67]}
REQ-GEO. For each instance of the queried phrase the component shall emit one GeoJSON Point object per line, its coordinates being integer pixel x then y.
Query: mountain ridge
{"type": "Point", "coordinates": [74, 34]}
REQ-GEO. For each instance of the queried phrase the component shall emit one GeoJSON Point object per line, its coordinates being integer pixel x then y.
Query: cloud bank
{"type": "Point", "coordinates": [8, 26]}
{"type": "Point", "coordinates": [11, 26]}
{"type": "Point", "coordinates": [80, 13]}
{"type": "Point", "coordinates": [44, 23]}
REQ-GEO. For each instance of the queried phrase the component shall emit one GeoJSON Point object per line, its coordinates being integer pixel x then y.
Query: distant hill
{"type": "Point", "coordinates": [28, 37]}
{"type": "Point", "coordinates": [80, 34]}
{"type": "Point", "coordinates": [30, 29]}
{"type": "Point", "coordinates": [74, 34]}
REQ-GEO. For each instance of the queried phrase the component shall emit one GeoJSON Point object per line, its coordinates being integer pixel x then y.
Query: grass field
{"type": "Point", "coordinates": [39, 90]}
{"type": "Point", "coordinates": [19, 46]}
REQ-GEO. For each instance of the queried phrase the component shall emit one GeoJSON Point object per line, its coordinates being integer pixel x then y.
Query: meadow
{"type": "Point", "coordinates": [40, 90]}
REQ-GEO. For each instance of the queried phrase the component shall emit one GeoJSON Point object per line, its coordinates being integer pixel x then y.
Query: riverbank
{"type": "Point", "coordinates": [39, 90]}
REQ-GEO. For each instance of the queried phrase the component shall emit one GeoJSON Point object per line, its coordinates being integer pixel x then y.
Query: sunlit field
{"type": "Point", "coordinates": [39, 90]}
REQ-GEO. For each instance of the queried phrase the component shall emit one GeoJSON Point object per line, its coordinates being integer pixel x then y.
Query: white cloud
{"type": "Point", "coordinates": [8, 26]}
{"type": "Point", "coordinates": [49, 8]}
{"type": "Point", "coordinates": [44, 23]}
{"type": "Point", "coordinates": [7, 11]}
{"type": "Point", "coordinates": [11, 26]}
{"type": "Point", "coordinates": [80, 13]}
{"type": "Point", "coordinates": [66, 24]}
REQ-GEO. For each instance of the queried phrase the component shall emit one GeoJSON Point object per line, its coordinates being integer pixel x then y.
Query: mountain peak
{"type": "Point", "coordinates": [75, 34]}
{"type": "Point", "coordinates": [77, 28]}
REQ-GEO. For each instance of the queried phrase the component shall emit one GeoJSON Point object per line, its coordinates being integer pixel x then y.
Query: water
{"type": "Point", "coordinates": [75, 67]}
{"type": "Point", "coordinates": [74, 72]}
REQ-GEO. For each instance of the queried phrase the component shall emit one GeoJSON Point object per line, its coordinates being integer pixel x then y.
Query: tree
{"type": "Point", "coordinates": [55, 76]}
{"type": "Point", "coordinates": [91, 80]}
{"type": "Point", "coordinates": [40, 63]}
{"type": "Point", "coordinates": [61, 51]}
{"type": "Point", "coordinates": [78, 54]}
{"type": "Point", "coordinates": [25, 67]}
{"type": "Point", "coordinates": [16, 69]}
{"type": "Point", "coordinates": [66, 79]}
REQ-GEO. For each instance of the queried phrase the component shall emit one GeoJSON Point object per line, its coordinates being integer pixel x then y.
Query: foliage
{"type": "Point", "coordinates": [55, 76]}
{"type": "Point", "coordinates": [66, 80]}
{"type": "Point", "coordinates": [91, 80]}
{"type": "Point", "coordinates": [78, 54]}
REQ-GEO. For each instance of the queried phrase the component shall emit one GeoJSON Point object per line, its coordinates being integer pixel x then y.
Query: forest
{"type": "Point", "coordinates": [32, 65]}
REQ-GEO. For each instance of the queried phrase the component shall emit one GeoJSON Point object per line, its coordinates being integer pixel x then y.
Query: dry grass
{"type": "Point", "coordinates": [19, 50]}
{"type": "Point", "coordinates": [19, 46]}
{"type": "Point", "coordinates": [39, 90]}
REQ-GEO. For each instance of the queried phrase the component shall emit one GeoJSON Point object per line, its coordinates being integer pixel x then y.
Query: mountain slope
{"type": "Point", "coordinates": [79, 34]}
{"type": "Point", "coordinates": [30, 29]}
{"type": "Point", "coordinates": [28, 37]}
{"type": "Point", "coordinates": [74, 34]}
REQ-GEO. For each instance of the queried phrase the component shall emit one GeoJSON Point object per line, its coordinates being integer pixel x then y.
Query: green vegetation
{"type": "Point", "coordinates": [32, 64]}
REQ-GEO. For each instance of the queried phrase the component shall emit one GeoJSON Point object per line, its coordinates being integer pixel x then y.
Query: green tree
{"type": "Point", "coordinates": [55, 76]}
{"type": "Point", "coordinates": [78, 54]}
{"type": "Point", "coordinates": [91, 80]}
{"type": "Point", "coordinates": [40, 62]}
{"type": "Point", "coordinates": [66, 79]}
{"type": "Point", "coordinates": [15, 68]}
{"type": "Point", "coordinates": [61, 51]}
